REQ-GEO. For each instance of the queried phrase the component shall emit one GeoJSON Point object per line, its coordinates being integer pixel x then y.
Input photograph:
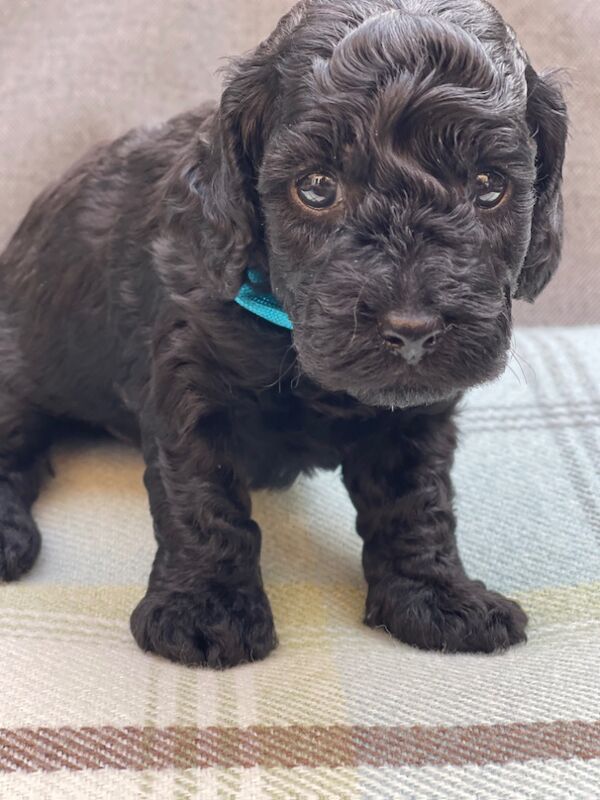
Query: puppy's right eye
{"type": "Point", "coordinates": [318, 191]}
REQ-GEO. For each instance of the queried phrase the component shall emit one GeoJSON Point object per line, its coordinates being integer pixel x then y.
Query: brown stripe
{"type": "Point", "coordinates": [133, 748]}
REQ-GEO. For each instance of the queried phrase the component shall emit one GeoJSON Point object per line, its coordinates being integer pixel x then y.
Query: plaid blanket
{"type": "Point", "coordinates": [339, 710]}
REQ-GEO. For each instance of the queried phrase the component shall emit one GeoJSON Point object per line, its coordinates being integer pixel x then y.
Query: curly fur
{"type": "Point", "coordinates": [116, 309]}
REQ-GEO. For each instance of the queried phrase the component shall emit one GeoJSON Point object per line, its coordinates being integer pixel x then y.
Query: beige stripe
{"type": "Point", "coordinates": [51, 749]}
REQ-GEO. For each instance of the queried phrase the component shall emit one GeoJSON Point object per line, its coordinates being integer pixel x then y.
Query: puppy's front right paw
{"type": "Point", "coordinates": [217, 627]}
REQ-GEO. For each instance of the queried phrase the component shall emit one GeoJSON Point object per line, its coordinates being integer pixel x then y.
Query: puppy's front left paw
{"type": "Point", "coordinates": [460, 616]}
{"type": "Point", "coordinates": [217, 627]}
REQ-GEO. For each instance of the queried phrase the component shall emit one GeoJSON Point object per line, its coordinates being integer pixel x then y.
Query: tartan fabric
{"type": "Point", "coordinates": [339, 710]}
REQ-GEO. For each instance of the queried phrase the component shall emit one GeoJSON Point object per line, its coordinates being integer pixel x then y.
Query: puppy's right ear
{"type": "Point", "coordinates": [222, 177]}
{"type": "Point", "coordinates": [226, 176]}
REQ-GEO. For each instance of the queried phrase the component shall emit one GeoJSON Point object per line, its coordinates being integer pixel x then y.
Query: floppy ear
{"type": "Point", "coordinates": [216, 203]}
{"type": "Point", "coordinates": [233, 235]}
{"type": "Point", "coordinates": [547, 119]}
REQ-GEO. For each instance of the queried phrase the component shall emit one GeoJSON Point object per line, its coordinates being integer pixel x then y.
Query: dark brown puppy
{"type": "Point", "coordinates": [393, 170]}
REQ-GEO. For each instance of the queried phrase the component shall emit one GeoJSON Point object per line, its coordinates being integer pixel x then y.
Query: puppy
{"type": "Point", "coordinates": [383, 175]}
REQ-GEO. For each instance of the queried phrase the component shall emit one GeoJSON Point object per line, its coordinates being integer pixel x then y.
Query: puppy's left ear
{"type": "Point", "coordinates": [547, 119]}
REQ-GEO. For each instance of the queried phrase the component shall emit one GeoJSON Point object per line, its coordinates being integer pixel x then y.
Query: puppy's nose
{"type": "Point", "coordinates": [411, 336]}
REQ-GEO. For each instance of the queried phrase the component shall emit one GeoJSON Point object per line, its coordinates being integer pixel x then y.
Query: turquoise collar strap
{"type": "Point", "coordinates": [253, 297]}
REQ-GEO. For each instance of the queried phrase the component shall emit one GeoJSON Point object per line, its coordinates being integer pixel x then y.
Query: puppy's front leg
{"type": "Point", "coordinates": [400, 484]}
{"type": "Point", "coordinates": [205, 602]}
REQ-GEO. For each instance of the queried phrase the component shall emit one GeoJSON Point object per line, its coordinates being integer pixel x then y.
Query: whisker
{"type": "Point", "coordinates": [521, 360]}
{"type": "Point", "coordinates": [281, 374]}
{"type": "Point", "coordinates": [355, 315]}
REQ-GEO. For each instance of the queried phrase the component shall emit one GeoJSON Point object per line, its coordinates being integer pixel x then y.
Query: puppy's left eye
{"type": "Point", "coordinates": [318, 191]}
{"type": "Point", "coordinates": [490, 189]}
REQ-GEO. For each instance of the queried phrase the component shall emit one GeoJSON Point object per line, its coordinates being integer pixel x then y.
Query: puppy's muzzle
{"type": "Point", "coordinates": [411, 337]}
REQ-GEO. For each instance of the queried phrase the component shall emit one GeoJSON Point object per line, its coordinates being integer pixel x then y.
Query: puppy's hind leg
{"type": "Point", "coordinates": [23, 441]}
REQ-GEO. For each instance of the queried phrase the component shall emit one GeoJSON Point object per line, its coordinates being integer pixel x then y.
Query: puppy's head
{"type": "Point", "coordinates": [394, 168]}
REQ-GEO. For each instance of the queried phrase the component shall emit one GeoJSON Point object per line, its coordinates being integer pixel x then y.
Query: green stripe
{"type": "Point", "coordinates": [297, 606]}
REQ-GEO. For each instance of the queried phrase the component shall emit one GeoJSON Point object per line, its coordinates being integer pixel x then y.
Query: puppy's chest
{"type": "Point", "coordinates": [282, 434]}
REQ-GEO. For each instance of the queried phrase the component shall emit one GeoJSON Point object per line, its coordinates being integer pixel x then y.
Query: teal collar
{"type": "Point", "coordinates": [253, 297]}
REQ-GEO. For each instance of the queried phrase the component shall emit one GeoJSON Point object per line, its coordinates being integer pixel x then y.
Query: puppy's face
{"type": "Point", "coordinates": [398, 186]}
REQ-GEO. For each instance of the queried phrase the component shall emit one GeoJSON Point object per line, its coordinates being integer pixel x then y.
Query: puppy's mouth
{"type": "Point", "coordinates": [394, 383]}
{"type": "Point", "coordinates": [403, 397]}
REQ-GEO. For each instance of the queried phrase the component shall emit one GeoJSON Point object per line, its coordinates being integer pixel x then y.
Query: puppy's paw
{"type": "Point", "coordinates": [217, 627]}
{"type": "Point", "coordinates": [461, 616]}
{"type": "Point", "coordinates": [20, 542]}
